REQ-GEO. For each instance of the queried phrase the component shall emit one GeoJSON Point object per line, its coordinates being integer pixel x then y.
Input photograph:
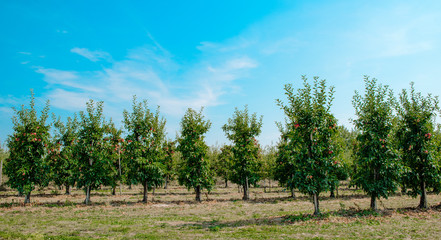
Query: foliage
{"type": "Point", "coordinates": [376, 159]}
{"type": "Point", "coordinates": [242, 129]}
{"type": "Point", "coordinates": [223, 163]}
{"type": "Point", "coordinates": [347, 140]}
{"type": "Point", "coordinates": [3, 155]}
{"type": "Point", "coordinates": [169, 161]}
{"type": "Point", "coordinates": [61, 157]}
{"type": "Point", "coordinates": [285, 167]}
{"type": "Point", "coordinates": [194, 171]}
{"type": "Point", "coordinates": [94, 166]}
{"type": "Point", "coordinates": [310, 135]}
{"type": "Point", "coordinates": [114, 149]}
{"type": "Point", "coordinates": [416, 143]}
{"type": "Point", "coordinates": [26, 166]}
{"type": "Point", "coordinates": [145, 142]}
{"type": "Point", "coordinates": [268, 162]}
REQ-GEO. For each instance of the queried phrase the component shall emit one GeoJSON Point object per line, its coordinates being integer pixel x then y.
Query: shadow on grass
{"type": "Point", "coordinates": [348, 214]}
{"type": "Point", "coordinates": [58, 204]}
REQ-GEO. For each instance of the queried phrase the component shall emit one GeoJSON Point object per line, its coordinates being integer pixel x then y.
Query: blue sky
{"type": "Point", "coordinates": [216, 54]}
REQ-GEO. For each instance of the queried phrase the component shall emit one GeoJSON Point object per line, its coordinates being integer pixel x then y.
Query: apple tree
{"type": "Point", "coordinates": [242, 129]}
{"type": "Point", "coordinates": [144, 149]}
{"type": "Point", "coordinates": [114, 150]}
{"type": "Point", "coordinates": [194, 170]}
{"type": "Point", "coordinates": [26, 165]}
{"type": "Point", "coordinates": [310, 138]}
{"type": "Point", "coordinates": [94, 166]}
{"type": "Point", "coordinates": [223, 163]}
{"type": "Point", "coordinates": [376, 159]}
{"type": "Point", "coordinates": [285, 167]}
{"type": "Point", "coordinates": [61, 157]}
{"type": "Point", "coordinates": [169, 161]}
{"type": "Point", "coordinates": [418, 149]}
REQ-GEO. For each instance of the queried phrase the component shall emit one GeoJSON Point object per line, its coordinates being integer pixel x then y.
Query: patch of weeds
{"type": "Point", "coordinates": [11, 235]}
{"type": "Point", "coordinates": [74, 233]}
{"type": "Point", "coordinates": [194, 226]}
{"type": "Point", "coordinates": [372, 222]}
{"type": "Point", "coordinates": [7, 205]}
{"type": "Point", "coordinates": [352, 212]}
{"type": "Point", "coordinates": [256, 215]}
{"type": "Point", "coordinates": [62, 237]}
{"type": "Point", "coordinates": [55, 192]}
{"type": "Point", "coordinates": [214, 221]}
{"type": "Point", "coordinates": [214, 228]}
{"type": "Point", "coordinates": [120, 229]}
{"type": "Point", "coordinates": [303, 217]}
{"type": "Point", "coordinates": [146, 236]}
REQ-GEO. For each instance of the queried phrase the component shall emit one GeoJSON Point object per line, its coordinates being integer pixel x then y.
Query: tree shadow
{"type": "Point", "coordinates": [350, 214]}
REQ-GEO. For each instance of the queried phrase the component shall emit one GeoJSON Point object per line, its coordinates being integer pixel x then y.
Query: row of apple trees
{"type": "Point", "coordinates": [88, 151]}
{"type": "Point", "coordinates": [394, 144]}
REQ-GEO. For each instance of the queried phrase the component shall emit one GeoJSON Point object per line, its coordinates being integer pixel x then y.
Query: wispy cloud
{"type": "Point", "coordinates": [70, 100]}
{"type": "Point", "coordinates": [93, 56]}
{"type": "Point", "coordinates": [149, 74]}
{"type": "Point", "coordinates": [6, 110]}
{"type": "Point", "coordinates": [70, 79]}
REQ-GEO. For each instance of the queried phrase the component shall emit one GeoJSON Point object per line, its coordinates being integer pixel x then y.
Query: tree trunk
{"type": "Point", "coordinates": [27, 198]}
{"type": "Point", "coordinates": [293, 194]}
{"type": "Point", "coordinates": [316, 204]}
{"type": "Point", "coordinates": [337, 189]}
{"type": "Point", "coordinates": [119, 168]}
{"type": "Point", "coordinates": [226, 183]}
{"type": "Point", "coordinates": [374, 202]}
{"type": "Point", "coordinates": [87, 200]}
{"type": "Point", "coordinates": [67, 190]}
{"type": "Point", "coordinates": [332, 195]}
{"type": "Point", "coordinates": [166, 182]}
{"type": "Point", "coordinates": [146, 190]}
{"type": "Point", "coordinates": [130, 186]}
{"type": "Point", "coordinates": [245, 190]}
{"type": "Point", "coordinates": [423, 198]}
{"type": "Point", "coordinates": [114, 190]}
{"type": "Point", "coordinates": [198, 193]}
{"type": "Point", "coordinates": [1, 171]}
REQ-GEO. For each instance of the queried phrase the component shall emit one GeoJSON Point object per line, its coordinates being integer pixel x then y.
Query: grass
{"type": "Point", "coordinates": [173, 214]}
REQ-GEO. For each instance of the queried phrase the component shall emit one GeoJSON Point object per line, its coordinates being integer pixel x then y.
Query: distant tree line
{"type": "Point", "coordinates": [395, 144]}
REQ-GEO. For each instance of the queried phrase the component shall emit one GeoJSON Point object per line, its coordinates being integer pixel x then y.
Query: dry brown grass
{"type": "Point", "coordinates": [173, 213]}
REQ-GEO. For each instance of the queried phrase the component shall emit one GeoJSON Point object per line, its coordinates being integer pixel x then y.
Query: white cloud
{"type": "Point", "coordinates": [6, 110]}
{"type": "Point", "coordinates": [69, 100]}
{"type": "Point", "coordinates": [25, 53]}
{"type": "Point", "coordinates": [93, 56]}
{"type": "Point", "coordinates": [70, 79]}
{"type": "Point", "coordinates": [150, 74]}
